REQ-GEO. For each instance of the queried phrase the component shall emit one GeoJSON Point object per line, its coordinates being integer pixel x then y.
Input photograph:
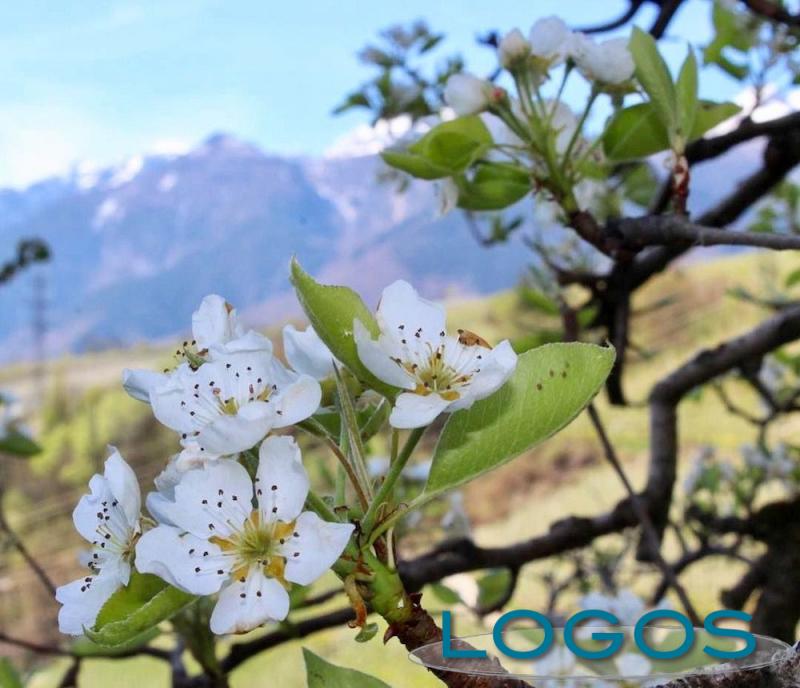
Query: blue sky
{"type": "Point", "coordinates": [99, 81]}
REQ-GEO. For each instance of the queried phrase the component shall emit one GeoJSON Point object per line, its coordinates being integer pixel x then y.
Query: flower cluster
{"type": "Point", "coordinates": [608, 65]}
{"type": "Point", "coordinates": [232, 515]}
{"type": "Point", "coordinates": [217, 530]}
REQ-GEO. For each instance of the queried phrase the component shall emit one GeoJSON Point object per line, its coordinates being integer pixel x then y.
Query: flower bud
{"type": "Point", "coordinates": [608, 63]}
{"type": "Point", "coordinates": [550, 39]}
{"type": "Point", "coordinates": [513, 49]}
{"type": "Point", "coordinates": [467, 94]}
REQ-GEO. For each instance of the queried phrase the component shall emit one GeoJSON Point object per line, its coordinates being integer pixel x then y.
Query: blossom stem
{"type": "Point", "coordinates": [341, 485]}
{"type": "Point", "coordinates": [387, 487]}
{"type": "Point", "coordinates": [362, 498]}
{"type": "Point", "coordinates": [316, 504]}
{"type": "Point", "coordinates": [579, 128]}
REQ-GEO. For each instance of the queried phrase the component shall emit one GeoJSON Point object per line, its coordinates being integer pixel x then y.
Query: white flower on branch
{"type": "Point", "coordinates": [632, 664]}
{"type": "Point", "coordinates": [214, 323]}
{"type": "Point", "coordinates": [108, 518]}
{"type": "Point", "coordinates": [216, 541]}
{"type": "Point", "coordinates": [414, 352]}
{"type": "Point", "coordinates": [307, 353]}
{"type": "Point", "coordinates": [467, 94]}
{"type": "Point", "coordinates": [230, 400]}
{"type": "Point", "coordinates": [550, 40]}
{"type": "Point", "coordinates": [513, 49]}
{"type": "Point", "coordinates": [609, 62]}
{"type": "Point", "coordinates": [230, 403]}
{"type": "Point", "coordinates": [626, 605]}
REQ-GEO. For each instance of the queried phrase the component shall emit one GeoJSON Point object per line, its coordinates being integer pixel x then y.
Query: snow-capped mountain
{"type": "Point", "coordinates": [135, 247]}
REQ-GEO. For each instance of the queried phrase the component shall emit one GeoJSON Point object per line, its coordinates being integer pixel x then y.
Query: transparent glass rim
{"type": "Point", "coordinates": [776, 651]}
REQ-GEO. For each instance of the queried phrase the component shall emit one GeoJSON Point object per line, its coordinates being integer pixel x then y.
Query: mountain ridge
{"type": "Point", "coordinates": [136, 246]}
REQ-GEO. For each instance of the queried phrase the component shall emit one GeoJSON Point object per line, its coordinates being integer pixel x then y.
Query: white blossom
{"type": "Point", "coordinates": [214, 323]}
{"type": "Point", "coordinates": [216, 542]}
{"type": "Point", "coordinates": [513, 48]}
{"type": "Point", "coordinates": [609, 62]}
{"type": "Point", "coordinates": [307, 353]}
{"type": "Point", "coordinates": [108, 518]}
{"type": "Point", "coordinates": [230, 403]}
{"type": "Point", "coordinates": [438, 372]}
{"type": "Point", "coordinates": [558, 661]}
{"type": "Point", "coordinates": [550, 40]}
{"type": "Point", "coordinates": [632, 664]}
{"type": "Point", "coordinates": [626, 605]}
{"type": "Point", "coordinates": [467, 94]}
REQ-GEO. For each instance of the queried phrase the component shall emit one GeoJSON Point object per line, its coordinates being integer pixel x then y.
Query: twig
{"type": "Point", "coordinates": [26, 555]}
{"type": "Point", "coordinates": [647, 525]}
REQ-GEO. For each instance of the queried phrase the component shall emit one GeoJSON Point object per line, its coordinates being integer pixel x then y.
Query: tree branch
{"type": "Point", "coordinates": [677, 231]}
{"type": "Point", "coordinates": [772, 11]}
{"type": "Point", "coordinates": [778, 330]}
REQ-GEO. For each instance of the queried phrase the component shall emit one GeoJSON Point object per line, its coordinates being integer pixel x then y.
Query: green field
{"type": "Point", "coordinates": [85, 409]}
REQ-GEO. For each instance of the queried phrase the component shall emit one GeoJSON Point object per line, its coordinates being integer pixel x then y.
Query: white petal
{"type": "Point", "coordinates": [315, 548]}
{"type": "Point", "coordinates": [85, 516]}
{"type": "Point", "coordinates": [497, 365]}
{"type": "Point", "coordinates": [415, 410]}
{"type": "Point", "coordinates": [161, 507]}
{"type": "Point", "coordinates": [377, 358]}
{"type": "Point", "coordinates": [550, 39]}
{"type": "Point", "coordinates": [81, 603]}
{"type": "Point", "coordinates": [190, 563]}
{"type": "Point", "coordinates": [307, 353]}
{"type": "Point", "coordinates": [139, 383]}
{"type": "Point", "coordinates": [297, 401]}
{"type": "Point", "coordinates": [633, 665]}
{"type": "Point", "coordinates": [215, 322]}
{"type": "Point", "coordinates": [250, 342]}
{"type": "Point", "coordinates": [264, 600]}
{"type": "Point", "coordinates": [230, 434]}
{"type": "Point", "coordinates": [467, 94]}
{"type": "Point", "coordinates": [213, 500]}
{"type": "Point", "coordinates": [282, 481]}
{"type": "Point", "coordinates": [172, 401]}
{"type": "Point", "coordinates": [401, 306]}
{"type": "Point", "coordinates": [124, 486]}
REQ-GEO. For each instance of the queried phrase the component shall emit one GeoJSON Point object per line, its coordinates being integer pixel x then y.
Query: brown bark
{"type": "Point", "coordinates": [420, 629]}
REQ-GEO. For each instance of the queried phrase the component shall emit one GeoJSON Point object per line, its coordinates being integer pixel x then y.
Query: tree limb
{"type": "Point", "coordinates": [778, 330]}
{"type": "Point", "coordinates": [677, 231]}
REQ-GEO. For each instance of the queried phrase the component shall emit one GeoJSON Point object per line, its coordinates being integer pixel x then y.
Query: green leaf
{"type": "Point", "coordinates": [18, 444]}
{"type": "Point", "coordinates": [654, 76]}
{"type": "Point", "coordinates": [9, 678]}
{"type": "Point", "coordinates": [322, 674]}
{"type": "Point", "coordinates": [415, 165]}
{"type": "Point", "coordinates": [367, 633]}
{"type": "Point", "coordinates": [793, 278]}
{"type": "Point", "coordinates": [634, 132]}
{"type": "Point", "coordinates": [84, 647]}
{"type": "Point", "coordinates": [493, 587]}
{"type": "Point", "coordinates": [710, 114]}
{"type": "Point", "coordinates": [549, 388]}
{"type": "Point", "coordinates": [444, 594]}
{"type": "Point", "coordinates": [686, 93]}
{"type": "Point", "coordinates": [135, 609]}
{"type": "Point", "coordinates": [446, 150]}
{"type": "Point", "coordinates": [331, 311]}
{"type": "Point", "coordinates": [538, 300]}
{"type": "Point", "coordinates": [495, 186]}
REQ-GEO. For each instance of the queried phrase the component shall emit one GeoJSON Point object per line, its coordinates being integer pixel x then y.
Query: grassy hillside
{"type": "Point", "coordinates": [85, 409]}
